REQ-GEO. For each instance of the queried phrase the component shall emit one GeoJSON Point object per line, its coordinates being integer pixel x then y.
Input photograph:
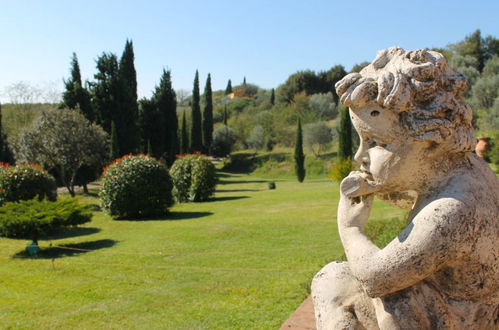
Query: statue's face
{"type": "Point", "coordinates": [386, 156]}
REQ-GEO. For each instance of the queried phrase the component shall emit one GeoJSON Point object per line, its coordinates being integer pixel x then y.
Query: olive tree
{"type": "Point", "coordinates": [64, 140]}
{"type": "Point", "coordinates": [317, 137]}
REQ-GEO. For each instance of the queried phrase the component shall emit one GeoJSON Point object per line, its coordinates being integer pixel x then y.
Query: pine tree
{"type": "Point", "coordinates": [106, 91]}
{"type": "Point", "coordinates": [166, 104]}
{"type": "Point", "coordinates": [299, 155]}
{"type": "Point", "coordinates": [75, 95]}
{"type": "Point", "coordinates": [114, 152]}
{"type": "Point", "coordinates": [208, 116]}
{"type": "Point", "coordinates": [184, 146]}
{"type": "Point", "coordinates": [228, 89]}
{"type": "Point", "coordinates": [272, 96]}
{"type": "Point", "coordinates": [345, 135]}
{"type": "Point", "coordinates": [196, 134]}
{"type": "Point", "coordinates": [129, 138]}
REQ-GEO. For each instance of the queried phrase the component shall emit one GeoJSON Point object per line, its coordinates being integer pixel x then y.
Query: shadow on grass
{"type": "Point", "coordinates": [68, 250]}
{"type": "Point", "coordinates": [235, 190]}
{"type": "Point", "coordinates": [72, 232]}
{"type": "Point", "coordinates": [228, 198]}
{"type": "Point", "coordinates": [222, 182]}
{"type": "Point", "coordinates": [171, 216]}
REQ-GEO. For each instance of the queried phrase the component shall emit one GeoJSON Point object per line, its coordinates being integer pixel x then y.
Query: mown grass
{"type": "Point", "coordinates": [241, 261]}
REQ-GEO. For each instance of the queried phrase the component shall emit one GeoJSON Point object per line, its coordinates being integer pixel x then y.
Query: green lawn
{"type": "Point", "coordinates": [244, 260]}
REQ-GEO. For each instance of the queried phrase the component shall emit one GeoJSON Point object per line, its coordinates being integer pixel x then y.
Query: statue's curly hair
{"type": "Point", "coordinates": [422, 89]}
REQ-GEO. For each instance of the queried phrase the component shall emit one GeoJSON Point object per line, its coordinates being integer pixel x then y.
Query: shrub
{"type": "Point", "coordinates": [136, 187]}
{"type": "Point", "coordinates": [341, 169]}
{"type": "Point", "coordinates": [194, 178]}
{"type": "Point", "coordinates": [24, 182]}
{"type": "Point", "coordinates": [33, 219]}
{"type": "Point", "coordinates": [223, 141]}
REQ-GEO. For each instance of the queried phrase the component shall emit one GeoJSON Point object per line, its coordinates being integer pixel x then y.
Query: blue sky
{"type": "Point", "coordinates": [264, 41]}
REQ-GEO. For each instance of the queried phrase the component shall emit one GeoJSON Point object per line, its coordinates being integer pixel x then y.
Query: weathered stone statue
{"type": "Point", "coordinates": [442, 271]}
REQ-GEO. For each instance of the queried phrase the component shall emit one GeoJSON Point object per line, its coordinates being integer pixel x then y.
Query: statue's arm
{"type": "Point", "coordinates": [427, 243]}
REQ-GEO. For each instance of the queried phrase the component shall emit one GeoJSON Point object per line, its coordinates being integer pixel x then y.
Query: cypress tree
{"type": "Point", "coordinates": [196, 135]}
{"type": "Point", "coordinates": [5, 152]}
{"type": "Point", "coordinates": [75, 95]}
{"type": "Point", "coordinates": [165, 100]}
{"type": "Point", "coordinates": [299, 155]}
{"type": "Point", "coordinates": [127, 119]}
{"type": "Point", "coordinates": [226, 116]}
{"type": "Point", "coordinates": [272, 96]}
{"type": "Point", "coordinates": [244, 81]}
{"type": "Point", "coordinates": [151, 127]}
{"type": "Point", "coordinates": [114, 152]}
{"type": "Point", "coordinates": [208, 116]}
{"type": "Point", "coordinates": [345, 134]}
{"type": "Point", "coordinates": [149, 148]}
{"type": "Point", "coordinates": [184, 146]}
{"type": "Point", "coordinates": [228, 89]}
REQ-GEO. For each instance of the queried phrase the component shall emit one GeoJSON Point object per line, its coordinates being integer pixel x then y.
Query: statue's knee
{"type": "Point", "coordinates": [334, 283]}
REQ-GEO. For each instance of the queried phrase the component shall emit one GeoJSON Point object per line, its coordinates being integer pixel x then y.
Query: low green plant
{"type": "Point", "coordinates": [341, 169]}
{"type": "Point", "coordinates": [136, 187]}
{"type": "Point", "coordinates": [24, 182]}
{"type": "Point", "coordinates": [194, 178]}
{"type": "Point", "coordinates": [33, 219]}
{"type": "Point", "coordinates": [382, 232]}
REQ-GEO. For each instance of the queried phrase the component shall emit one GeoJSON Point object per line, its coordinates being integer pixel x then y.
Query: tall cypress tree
{"type": "Point", "coordinates": [152, 129]}
{"type": "Point", "coordinates": [272, 96]}
{"type": "Point", "coordinates": [208, 116]}
{"type": "Point", "coordinates": [196, 135]}
{"type": "Point", "coordinates": [226, 116]}
{"type": "Point", "coordinates": [114, 151]}
{"type": "Point", "coordinates": [166, 104]}
{"type": "Point", "coordinates": [345, 134]}
{"type": "Point", "coordinates": [184, 145]}
{"type": "Point", "coordinates": [127, 120]}
{"type": "Point", "coordinates": [299, 155]}
{"type": "Point", "coordinates": [5, 152]}
{"type": "Point", "coordinates": [228, 89]}
{"type": "Point", "coordinates": [75, 95]}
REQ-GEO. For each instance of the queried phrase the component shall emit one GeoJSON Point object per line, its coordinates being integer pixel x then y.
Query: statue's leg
{"type": "Point", "coordinates": [339, 300]}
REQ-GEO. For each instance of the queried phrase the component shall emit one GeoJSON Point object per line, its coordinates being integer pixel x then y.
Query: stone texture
{"type": "Point", "coordinates": [442, 271]}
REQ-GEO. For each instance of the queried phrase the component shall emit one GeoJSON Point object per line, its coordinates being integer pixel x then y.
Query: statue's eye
{"type": "Point", "coordinates": [375, 113]}
{"type": "Point", "coordinates": [371, 143]}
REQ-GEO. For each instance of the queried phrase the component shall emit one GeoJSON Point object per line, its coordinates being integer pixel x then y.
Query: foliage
{"type": "Point", "coordinates": [76, 96]}
{"type": "Point", "coordinates": [105, 91]}
{"type": "Point", "coordinates": [64, 140]}
{"type": "Point", "coordinates": [358, 67]}
{"type": "Point", "coordinates": [196, 131]}
{"type": "Point", "coordinates": [114, 150]}
{"type": "Point", "coordinates": [24, 182]}
{"type": "Point", "coordinates": [184, 137]}
{"type": "Point", "coordinates": [485, 91]}
{"type": "Point", "coordinates": [299, 156]}
{"type": "Point", "coordinates": [345, 135]}
{"type": "Point", "coordinates": [208, 116]}
{"type": "Point", "coordinates": [136, 187]}
{"type": "Point", "coordinates": [223, 141]}
{"type": "Point", "coordinates": [257, 137]}
{"type": "Point", "coordinates": [323, 105]}
{"type": "Point", "coordinates": [341, 168]}
{"type": "Point", "coordinates": [165, 108]}
{"type": "Point", "coordinates": [494, 149]}
{"type": "Point", "coordinates": [272, 97]}
{"type": "Point", "coordinates": [194, 178]}
{"type": "Point", "coordinates": [127, 120]}
{"type": "Point", "coordinates": [33, 219]}
{"type": "Point", "coordinates": [6, 155]}
{"type": "Point", "coordinates": [228, 89]}
{"type": "Point", "coordinates": [317, 137]}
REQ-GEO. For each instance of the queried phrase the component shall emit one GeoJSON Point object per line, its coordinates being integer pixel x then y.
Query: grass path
{"type": "Point", "coordinates": [242, 261]}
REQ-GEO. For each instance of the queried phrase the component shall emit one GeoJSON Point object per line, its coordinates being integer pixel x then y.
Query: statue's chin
{"type": "Point", "coordinates": [404, 199]}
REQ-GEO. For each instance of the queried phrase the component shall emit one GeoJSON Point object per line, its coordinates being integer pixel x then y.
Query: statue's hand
{"type": "Point", "coordinates": [356, 198]}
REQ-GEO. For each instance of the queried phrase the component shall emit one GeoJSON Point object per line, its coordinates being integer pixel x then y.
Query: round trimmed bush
{"type": "Point", "coordinates": [136, 187]}
{"type": "Point", "coordinates": [194, 178]}
{"type": "Point", "coordinates": [25, 182]}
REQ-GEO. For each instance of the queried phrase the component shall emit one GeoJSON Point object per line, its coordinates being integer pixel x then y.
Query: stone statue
{"type": "Point", "coordinates": [442, 271]}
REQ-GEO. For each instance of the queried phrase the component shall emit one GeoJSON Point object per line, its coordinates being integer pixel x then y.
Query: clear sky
{"type": "Point", "coordinates": [264, 41]}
